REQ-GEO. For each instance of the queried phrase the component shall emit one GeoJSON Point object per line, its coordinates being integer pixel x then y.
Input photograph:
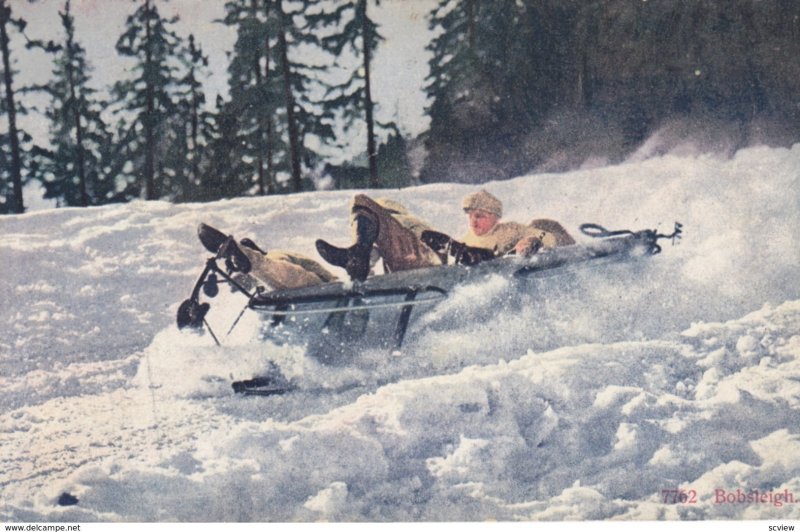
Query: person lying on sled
{"type": "Point", "coordinates": [405, 242]}
{"type": "Point", "coordinates": [275, 268]}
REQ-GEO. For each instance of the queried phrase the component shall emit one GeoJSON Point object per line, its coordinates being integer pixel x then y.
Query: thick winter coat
{"type": "Point", "coordinates": [285, 269]}
{"type": "Point", "coordinates": [504, 235]}
{"type": "Point", "coordinates": [399, 232]}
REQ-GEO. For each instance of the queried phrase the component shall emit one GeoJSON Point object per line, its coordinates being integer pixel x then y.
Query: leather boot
{"type": "Point", "coordinates": [354, 259]}
{"type": "Point", "coordinates": [225, 247]}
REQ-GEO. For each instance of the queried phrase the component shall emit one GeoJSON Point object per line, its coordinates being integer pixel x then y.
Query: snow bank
{"type": "Point", "coordinates": [587, 432]}
{"type": "Point", "coordinates": [582, 396]}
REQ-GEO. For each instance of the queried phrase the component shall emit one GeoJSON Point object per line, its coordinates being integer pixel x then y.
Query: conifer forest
{"type": "Point", "coordinates": [512, 86]}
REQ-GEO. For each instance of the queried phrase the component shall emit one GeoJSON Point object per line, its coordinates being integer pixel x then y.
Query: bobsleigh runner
{"type": "Point", "coordinates": [333, 316]}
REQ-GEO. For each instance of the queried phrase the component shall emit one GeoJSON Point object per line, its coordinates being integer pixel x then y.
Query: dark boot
{"type": "Point", "coordinates": [355, 259]}
{"type": "Point", "coordinates": [225, 248]}
{"type": "Point", "coordinates": [211, 238]}
{"type": "Point", "coordinates": [246, 242]}
{"type": "Point", "coordinates": [332, 254]}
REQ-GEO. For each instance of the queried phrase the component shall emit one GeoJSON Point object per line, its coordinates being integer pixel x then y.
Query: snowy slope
{"type": "Point", "coordinates": [574, 398]}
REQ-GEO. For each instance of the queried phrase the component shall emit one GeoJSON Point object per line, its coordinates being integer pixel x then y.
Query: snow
{"type": "Point", "coordinates": [581, 397]}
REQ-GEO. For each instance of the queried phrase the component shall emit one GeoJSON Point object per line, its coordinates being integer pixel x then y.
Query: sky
{"type": "Point", "coordinates": [399, 68]}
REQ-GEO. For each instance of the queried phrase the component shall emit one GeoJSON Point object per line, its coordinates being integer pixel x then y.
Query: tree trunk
{"type": "Point", "coordinates": [372, 155]}
{"type": "Point", "coordinates": [294, 144]}
{"type": "Point", "coordinates": [195, 125]}
{"type": "Point", "coordinates": [76, 108]}
{"type": "Point", "coordinates": [471, 24]}
{"type": "Point", "coordinates": [149, 118]}
{"type": "Point", "coordinates": [257, 71]}
{"type": "Point", "coordinates": [16, 202]}
{"type": "Point", "coordinates": [267, 118]}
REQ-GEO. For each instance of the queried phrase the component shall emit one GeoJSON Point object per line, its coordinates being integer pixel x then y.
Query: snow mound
{"type": "Point", "coordinates": [704, 411]}
{"type": "Point", "coordinates": [601, 394]}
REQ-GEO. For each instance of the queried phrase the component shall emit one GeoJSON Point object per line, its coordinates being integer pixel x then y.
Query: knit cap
{"type": "Point", "coordinates": [483, 201]}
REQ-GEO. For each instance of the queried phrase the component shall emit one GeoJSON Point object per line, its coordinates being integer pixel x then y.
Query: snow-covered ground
{"type": "Point", "coordinates": [588, 396]}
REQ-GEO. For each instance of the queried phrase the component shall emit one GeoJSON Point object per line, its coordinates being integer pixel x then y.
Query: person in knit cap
{"type": "Point", "coordinates": [385, 228]}
{"type": "Point", "coordinates": [486, 231]}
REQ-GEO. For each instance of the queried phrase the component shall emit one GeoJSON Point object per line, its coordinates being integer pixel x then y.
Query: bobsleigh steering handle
{"type": "Point", "coordinates": [651, 236]}
{"type": "Point", "coordinates": [598, 231]}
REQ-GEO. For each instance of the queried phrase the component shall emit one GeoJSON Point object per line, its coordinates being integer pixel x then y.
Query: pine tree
{"type": "Point", "coordinates": [193, 127]}
{"type": "Point", "coordinates": [454, 65]}
{"type": "Point", "coordinates": [392, 160]}
{"type": "Point", "coordinates": [73, 169]}
{"type": "Point", "coordinates": [225, 168]}
{"type": "Point", "coordinates": [284, 27]}
{"type": "Point", "coordinates": [356, 32]}
{"type": "Point", "coordinates": [11, 171]}
{"type": "Point", "coordinates": [271, 95]}
{"type": "Point", "coordinates": [303, 116]}
{"type": "Point", "coordinates": [255, 93]}
{"type": "Point", "coordinates": [650, 61]}
{"type": "Point", "coordinates": [496, 70]}
{"type": "Point", "coordinates": [149, 98]}
{"type": "Point", "coordinates": [464, 95]}
{"type": "Point", "coordinates": [302, 81]}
